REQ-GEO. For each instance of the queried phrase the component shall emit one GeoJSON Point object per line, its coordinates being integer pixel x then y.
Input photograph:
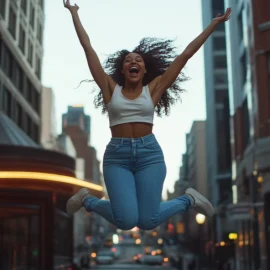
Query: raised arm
{"type": "Point", "coordinates": [162, 83]}
{"type": "Point", "coordinates": [105, 82]}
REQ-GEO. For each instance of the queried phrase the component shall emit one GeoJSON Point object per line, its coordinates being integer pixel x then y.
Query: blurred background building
{"type": "Point", "coordinates": [39, 170]}
{"type": "Point", "coordinates": [183, 229]}
{"type": "Point", "coordinates": [218, 119]}
{"type": "Point", "coordinates": [21, 28]}
{"type": "Point", "coordinates": [237, 68]}
{"type": "Point", "coordinates": [248, 51]}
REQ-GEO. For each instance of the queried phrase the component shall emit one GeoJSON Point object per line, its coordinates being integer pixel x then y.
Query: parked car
{"type": "Point", "coordinates": [116, 251]}
{"type": "Point", "coordinates": [105, 257]}
{"type": "Point", "coordinates": [153, 260]}
{"type": "Point", "coordinates": [149, 259]}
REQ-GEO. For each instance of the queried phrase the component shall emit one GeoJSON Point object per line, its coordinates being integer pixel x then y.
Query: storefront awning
{"type": "Point", "coordinates": [26, 165]}
{"type": "Point", "coordinates": [11, 134]}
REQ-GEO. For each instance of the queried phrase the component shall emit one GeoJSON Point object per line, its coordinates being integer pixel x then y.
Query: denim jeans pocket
{"type": "Point", "coordinates": [111, 147]}
{"type": "Point", "coordinates": [152, 145]}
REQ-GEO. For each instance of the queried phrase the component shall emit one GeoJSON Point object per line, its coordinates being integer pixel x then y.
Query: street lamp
{"type": "Point", "coordinates": [200, 219]}
{"type": "Point", "coordinates": [233, 236]}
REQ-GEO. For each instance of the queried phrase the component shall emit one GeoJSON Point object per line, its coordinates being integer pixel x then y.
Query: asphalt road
{"type": "Point", "coordinates": [130, 267]}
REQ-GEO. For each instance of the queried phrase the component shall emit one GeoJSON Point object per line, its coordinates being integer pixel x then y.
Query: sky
{"type": "Point", "coordinates": [111, 26]}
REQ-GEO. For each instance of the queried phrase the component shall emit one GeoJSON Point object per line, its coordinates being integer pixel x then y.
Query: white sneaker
{"type": "Point", "coordinates": [75, 203]}
{"type": "Point", "coordinates": [201, 204]}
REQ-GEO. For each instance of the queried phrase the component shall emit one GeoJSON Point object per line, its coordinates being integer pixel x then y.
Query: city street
{"type": "Point", "coordinates": [101, 164]}
{"type": "Point", "coordinates": [131, 266]}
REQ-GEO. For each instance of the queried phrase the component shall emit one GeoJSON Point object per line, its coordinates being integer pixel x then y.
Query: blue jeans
{"type": "Point", "coordinates": [134, 172]}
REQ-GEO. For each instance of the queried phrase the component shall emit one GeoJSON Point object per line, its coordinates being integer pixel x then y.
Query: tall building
{"type": "Point", "coordinates": [183, 172]}
{"type": "Point", "coordinates": [248, 47]}
{"type": "Point", "coordinates": [193, 173]}
{"type": "Point", "coordinates": [196, 151]}
{"type": "Point", "coordinates": [197, 171]}
{"type": "Point", "coordinates": [88, 228]}
{"type": "Point", "coordinates": [48, 128]}
{"type": "Point", "coordinates": [76, 117]}
{"type": "Point", "coordinates": [218, 121]}
{"type": "Point", "coordinates": [76, 124]}
{"type": "Point", "coordinates": [21, 28]}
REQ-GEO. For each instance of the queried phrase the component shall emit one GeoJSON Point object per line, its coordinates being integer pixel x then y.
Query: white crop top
{"type": "Point", "coordinates": [123, 110]}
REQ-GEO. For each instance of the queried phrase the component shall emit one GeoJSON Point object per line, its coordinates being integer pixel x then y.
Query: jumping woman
{"type": "Point", "coordinates": [136, 85]}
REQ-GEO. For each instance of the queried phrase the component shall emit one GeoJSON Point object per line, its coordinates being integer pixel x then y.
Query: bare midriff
{"type": "Point", "coordinates": [131, 130]}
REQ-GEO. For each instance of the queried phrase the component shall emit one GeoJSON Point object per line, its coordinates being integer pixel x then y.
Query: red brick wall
{"type": "Point", "coordinates": [261, 46]}
{"type": "Point", "coordinates": [80, 142]}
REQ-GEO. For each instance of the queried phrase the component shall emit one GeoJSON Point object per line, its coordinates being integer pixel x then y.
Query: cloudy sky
{"type": "Point", "coordinates": [115, 25]}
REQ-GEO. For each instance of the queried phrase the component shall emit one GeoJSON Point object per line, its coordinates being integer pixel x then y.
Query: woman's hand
{"type": "Point", "coordinates": [70, 7]}
{"type": "Point", "coordinates": [224, 18]}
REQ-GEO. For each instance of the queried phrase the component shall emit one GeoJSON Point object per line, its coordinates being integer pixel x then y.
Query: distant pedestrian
{"type": "Point", "coordinates": [137, 84]}
{"type": "Point", "coordinates": [85, 262]}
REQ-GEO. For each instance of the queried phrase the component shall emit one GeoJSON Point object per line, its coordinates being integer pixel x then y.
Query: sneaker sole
{"type": "Point", "coordinates": [208, 209]}
{"type": "Point", "coordinates": [74, 204]}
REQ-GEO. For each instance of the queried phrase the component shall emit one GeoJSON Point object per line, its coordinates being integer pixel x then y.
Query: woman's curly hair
{"type": "Point", "coordinates": [157, 54]}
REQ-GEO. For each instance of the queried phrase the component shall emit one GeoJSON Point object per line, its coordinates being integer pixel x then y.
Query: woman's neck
{"type": "Point", "coordinates": [133, 87]}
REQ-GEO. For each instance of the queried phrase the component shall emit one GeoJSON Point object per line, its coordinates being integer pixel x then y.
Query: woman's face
{"type": "Point", "coordinates": [133, 68]}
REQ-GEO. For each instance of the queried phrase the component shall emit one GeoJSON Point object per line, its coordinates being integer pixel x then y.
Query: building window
{"type": "Point", "coordinates": [2, 8]}
{"type": "Point", "coordinates": [32, 16]}
{"type": "Point", "coordinates": [240, 26]}
{"type": "Point", "coordinates": [14, 75]}
{"type": "Point", "coordinates": [36, 101]}
{"type": "Point", "coordinates": [7, 101]}
{"type": "Point", "coordinates": [245, 183]}
{"type": "Point", "coordinates": [28, 126]}
{"type": "Point", "coordinates": [223, 132]}
{"type": "Point", "coordinates": [25, 231]}
{"type": "Point", "coordinates": [20, 80]}
{"type": "Point", "coordinates": [38, 67]}
{"type": "Point", "coordinates": [219, 43]}
{"type": "Point", "coordinates": [8, 62]}
{"type": "Point", "coordinates": [220, 61]}
{"type": "Point", "coordinates": [22, 39]}
{"type": "Point", "coordinates": [18, 115]}
{"type": "Point", "coordinates": [220, 27]}
{"type": "Point", "coordinates": [221, 89]}
{"type": "Point", "coordinates": [221, 78]}
{"type": "Point", "coordinates": [29, 88]}
{"type": "Point", "coordinates": [39, 32]}
{"type": "Point", "coordinates": [24, 6]}
{"type": "Point", "coordinates": [12, 22]}
{"type": "Point", "coordinates": [30, 52]}
{"type": "Point", "coordinates": [246, 126]}
{"type": "Point", "coordinates": [35, 133]}
{"type": "Point", "coordinates": [1, 49]}
{"type": "Point", "coordinates": [244, 68]}
{"type": "Point", "coordinates": [225, 191]}
{"type": "Point", "coordinates": [217, 7]}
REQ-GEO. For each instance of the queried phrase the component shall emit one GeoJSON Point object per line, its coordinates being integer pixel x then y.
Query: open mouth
{"type": "Point", "coordinates": [134, 70]}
